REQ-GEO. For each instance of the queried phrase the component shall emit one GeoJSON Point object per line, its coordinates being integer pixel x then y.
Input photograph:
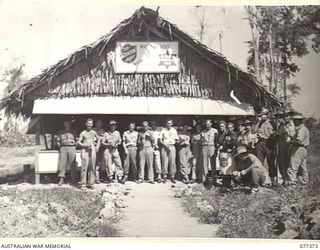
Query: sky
{"type": "Point", "coordinates": [40, 33]}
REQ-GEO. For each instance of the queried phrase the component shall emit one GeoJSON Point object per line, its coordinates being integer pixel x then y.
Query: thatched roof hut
{"type": "Point", "coordinates": [88, 78]}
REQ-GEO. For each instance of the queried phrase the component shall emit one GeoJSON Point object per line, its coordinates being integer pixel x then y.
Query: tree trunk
{"type": "Point", "coordinates": [256, 58]}
{"type": "Point", "coordinates": [275, 90]}
{"type": "Point", "coordinates": [272, 75]}
{"type": "Point", "coordinates": [252, 16]}
{"type": "Point", "coordinates": [285, 75]}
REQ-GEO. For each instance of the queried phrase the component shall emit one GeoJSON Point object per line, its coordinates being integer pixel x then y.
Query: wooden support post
{"type": "Point", "coordinates": [37, 178]}
{"type": "Point", "coordinates": [36, 168]}
{"type": "Point", "coordinates": [26, 172]}
{"type": "Point", "coordinates": [45, 140]}
{"type": "Point", "coordinates": [43, 132]}
{"type": "Point", "coordinates": [38, 133]}
{"type": "Point", "coordinates": [52, 140]}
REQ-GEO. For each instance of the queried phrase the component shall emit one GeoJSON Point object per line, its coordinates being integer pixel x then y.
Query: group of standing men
{"type": "Point", "coordinates": [282, 140]}
{"type": "Point", "coordinates": [207, 152]}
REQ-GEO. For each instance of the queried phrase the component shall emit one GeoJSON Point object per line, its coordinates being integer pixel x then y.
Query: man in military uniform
{"type": "Point", "coordinates": [284, 133]}
{"type": "Point", "coordinates": [111, 140]}
{"type": "Point", "coordinates": [249, 169]}
{"type": "Point", "coordinates": [130, 139]}
{"type": "Point", "coordinates": [222, 134]}
{"type": "Point", "coordinates": [209, 138]}
{"type": "Point", "coordinates": [145, 142]}
{"type": "Point", "coordinates": [184, 153]}
{"type": "Point", "coordinates": [169, 137]}
{"type": "Point", "coordinates": [156, 151]}
{"type": "Point", "coordinates": [248, 138]}
{"type": "Point", "coordinates": [89, 141]}
{"type": "Point", "coordinates": [66, 142]}
{"type": "Point", "coordinates": [298, 160]}
{"type": "Point", "coordinates": [264, 146]}
{"type": "Point", "coordinates": [197, 152]}
{"type": "Point", "coordinates": [100, 131]}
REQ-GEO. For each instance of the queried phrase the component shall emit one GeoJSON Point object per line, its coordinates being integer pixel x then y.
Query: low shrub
{"type": "Point", "coordinates": [16, 139]}
{"type": "Point", "coordinates": [48, 211]}
{"type": "Point", "coordinates": [201, 203]}
{"type": "Point", "coordinates": [291, 212]}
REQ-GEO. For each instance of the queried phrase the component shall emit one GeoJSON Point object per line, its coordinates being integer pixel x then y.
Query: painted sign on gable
{"type": "Point", "coordinates": [147, 57]}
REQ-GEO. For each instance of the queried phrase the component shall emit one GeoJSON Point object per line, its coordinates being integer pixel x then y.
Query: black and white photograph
{"type": "Point", "coordinates": [159, 121]}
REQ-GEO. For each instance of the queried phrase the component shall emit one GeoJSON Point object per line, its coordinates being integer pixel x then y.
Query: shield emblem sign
{"type": "Point", "coordinates": [128, 53]}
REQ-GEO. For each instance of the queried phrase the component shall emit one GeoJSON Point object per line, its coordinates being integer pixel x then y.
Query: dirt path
{"type": "Point", "coordinates": [154, 212]}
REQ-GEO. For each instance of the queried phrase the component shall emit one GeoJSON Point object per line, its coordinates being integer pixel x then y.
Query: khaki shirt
{"type": "Point", "coordinates": [130, 138]}
{"type": "Point", "coordinates": [157, 137]}
{"type": "Point", "coordinates": [67, 138]}
{"type": "Point", "coordinates": [112, 137]}
{"type": "Point", "coordinates": [303, 135]}
{"type": "Point", "coordinates": [251, 160]}
{"type": "Point", "coordinates": [170, 136]}
{"type": "Point", "coordinates": [265, 130]}
{"type": "Point", "coordinates": [184, 139]}
{"type": "Point", "coordinates": [145, 139]}
{"type": "Point", "coordinates": [209, 137]}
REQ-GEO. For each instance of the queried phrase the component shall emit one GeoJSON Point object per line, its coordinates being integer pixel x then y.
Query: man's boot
{"type": "Point", "coordinates": [185, 179]}
{"type": "Point", "coordinates": [158, 179]}
{"type": "Point", "coordinates": [173, 180]}
{"type": "Point", "coordinates": [61, 181]}
{"type": "Point", "coordinates": [164, 180]}
{"type": "Point", "coordinates": [124, 179]}
{"type": "Point", "coordinates": [97, 178]}
{"type": "Point", "coordinates": [274, 182]}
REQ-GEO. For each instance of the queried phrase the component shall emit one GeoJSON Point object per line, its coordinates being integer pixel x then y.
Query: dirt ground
{"type": "Point", "coordinates": [153, 211]}
{"type": "Point", "coordinates": [51, 211]}
{"type": "Point", "coordinates": [13, 159]}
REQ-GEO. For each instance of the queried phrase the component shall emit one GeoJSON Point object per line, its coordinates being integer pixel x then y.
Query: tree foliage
{"type": "Point", "coordinates": [284, 33]}
{"type": "Point", "coordinates": [13, 76]}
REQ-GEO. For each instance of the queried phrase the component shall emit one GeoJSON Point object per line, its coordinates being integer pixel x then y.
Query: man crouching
{"type": "Point", "coordinates": [248, 169]}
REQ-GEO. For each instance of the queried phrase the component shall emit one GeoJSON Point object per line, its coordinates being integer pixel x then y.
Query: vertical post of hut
{"type": "Point", "coordinates": [52, 140]}
{"type": "Point", "coordinates": [38, 142]}
{"type": "Point", "coordinates": [36, 169]}
{"type": "Point", "coordinates": [38, 133]}
{"type": "Point", "coordinates": [43, 132]}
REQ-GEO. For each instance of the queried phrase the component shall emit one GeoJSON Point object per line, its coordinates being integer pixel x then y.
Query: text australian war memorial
{"type": "Point", "coordinates": [146, 68]}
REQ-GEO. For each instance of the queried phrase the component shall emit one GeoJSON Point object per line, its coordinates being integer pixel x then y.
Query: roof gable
{"type": "Point", "coordinates": [143, 18]}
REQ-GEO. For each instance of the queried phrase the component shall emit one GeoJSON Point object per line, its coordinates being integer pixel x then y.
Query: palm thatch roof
{"type": "Point", "coordinates": [20, 100]}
